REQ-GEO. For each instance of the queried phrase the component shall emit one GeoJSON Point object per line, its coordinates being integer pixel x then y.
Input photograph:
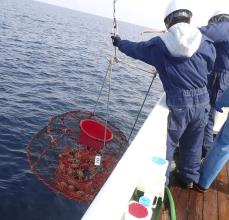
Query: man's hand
{"type": "Point", "coordinates": [115, 39]}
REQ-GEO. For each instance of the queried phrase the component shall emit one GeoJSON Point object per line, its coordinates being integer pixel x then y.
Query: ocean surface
{"type": "Point", "coordinates": [53, 60]}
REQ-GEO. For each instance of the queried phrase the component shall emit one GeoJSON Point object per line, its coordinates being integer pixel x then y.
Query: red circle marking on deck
{"type": "Point", "coordinates": [137, 210]}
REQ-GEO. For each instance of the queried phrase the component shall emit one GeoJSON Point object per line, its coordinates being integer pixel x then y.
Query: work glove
{"type": "Point", "coordinates": [115, 39]}
{"type": "Point", "coordinates": [218, 107]}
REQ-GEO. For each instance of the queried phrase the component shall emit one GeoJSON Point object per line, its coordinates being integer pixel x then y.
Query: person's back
{"type": "Point", "coordinates": [182, 62]}
{"type": "Point", "coordinates": [183, 58]}
{"type": "Point", "coordinates": [218, 31]}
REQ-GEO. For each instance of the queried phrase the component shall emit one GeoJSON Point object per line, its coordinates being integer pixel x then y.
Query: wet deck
{"type": "Point", "coordinates": [211, 205]}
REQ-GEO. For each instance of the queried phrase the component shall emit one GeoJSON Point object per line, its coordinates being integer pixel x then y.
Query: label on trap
{"type": "Point", "coordinates": [97, 160]}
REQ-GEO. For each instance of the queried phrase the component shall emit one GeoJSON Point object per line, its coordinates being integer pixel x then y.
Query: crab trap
{"type": "Point", "coordinates": [74, 154]}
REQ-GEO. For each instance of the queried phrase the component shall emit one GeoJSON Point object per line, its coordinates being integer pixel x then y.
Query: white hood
{"type": "Point", "coordinates": [182, 40]}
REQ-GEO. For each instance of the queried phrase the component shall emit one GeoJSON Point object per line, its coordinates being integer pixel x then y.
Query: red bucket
{"type": "Point", "coordinates": [92, 133]}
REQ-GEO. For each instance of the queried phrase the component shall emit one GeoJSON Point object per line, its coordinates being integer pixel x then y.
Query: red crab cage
{"type": "Point", "coordinates": [62, 154]}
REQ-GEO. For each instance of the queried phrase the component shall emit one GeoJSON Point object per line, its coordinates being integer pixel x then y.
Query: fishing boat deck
{"type": "Point", "coordinates": [193, 205]}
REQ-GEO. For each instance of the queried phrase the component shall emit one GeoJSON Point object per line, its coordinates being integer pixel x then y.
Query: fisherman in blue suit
{"type": "Point", "coordinates": [218, 155]}
{"type": "Point", "coordinates": [183, 58]}
{"type": "Point", "coordinates": [218, 31]}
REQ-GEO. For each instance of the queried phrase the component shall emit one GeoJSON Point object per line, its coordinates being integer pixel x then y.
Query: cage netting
{"type": "Point", "coordinates": [64, 164]}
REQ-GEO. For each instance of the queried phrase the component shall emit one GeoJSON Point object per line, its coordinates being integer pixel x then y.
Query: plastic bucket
{"type": "Point", "coordinates": [92, 134]}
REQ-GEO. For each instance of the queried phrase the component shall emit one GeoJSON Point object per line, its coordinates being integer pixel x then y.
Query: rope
{"type": "Point", "coordinates": [104, 80]}
{"type": "Point", "coordinates": [108, 74]}
{"type": "Point", "coordinates": [108, 100]}
{"type": "Point", "coordinates": [154, 76]}
{"type": "Point", "coordinates": [152, 31]}
{"type": "Point", "coordinates": [111, 61]}
{"type": "Point", "coordinates": [135, 67]}
{"type": "Point", "coordinates": [114, 32]}
{"type": "Point", "coordinates": [115, 26]}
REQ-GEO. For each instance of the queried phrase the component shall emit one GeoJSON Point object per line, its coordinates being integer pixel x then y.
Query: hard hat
{"type": "Point", "coordinates": [176, 5]}
{"type": "Point", "coordinates": [219, 12]}
{"type": "Point", "coordinates": [218, 16]}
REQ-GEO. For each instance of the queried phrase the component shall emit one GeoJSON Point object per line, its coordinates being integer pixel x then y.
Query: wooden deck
{"type": "Point", "coordinates": [211, 205]}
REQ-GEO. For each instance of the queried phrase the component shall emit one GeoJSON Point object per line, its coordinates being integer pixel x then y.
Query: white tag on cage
{"type": "Point", "coordinates": [97, 160]}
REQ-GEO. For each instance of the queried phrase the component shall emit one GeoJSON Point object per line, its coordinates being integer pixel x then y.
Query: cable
{"type": "Point", "coordinates": [111, 61]}
{"type": "Point", "coordinates": [104, 80]}
{"type": "Point", "coordinates": [108, 74]}
{"type": "Point", "coordinates": [108, 100]}
{"type": "Point", "coordinates": [154, 76]}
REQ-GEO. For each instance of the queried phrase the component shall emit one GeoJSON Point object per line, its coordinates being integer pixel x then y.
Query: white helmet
{"type": "Point", "coordinates": [176, 5]}
{"type": "Point", "coordinates": [219, 12]}
{"type": "Point", "coordinates": [218, 16]}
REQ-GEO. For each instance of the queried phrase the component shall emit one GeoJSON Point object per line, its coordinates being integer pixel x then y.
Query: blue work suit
{"type": "Point", "coordinates": [219, 80]}
{"type": "Point", "coordinates": [218, 155]}
{"type": "Point", "coordinates": [184, 79]}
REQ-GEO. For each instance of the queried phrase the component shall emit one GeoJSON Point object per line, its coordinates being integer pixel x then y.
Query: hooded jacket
{"type": "Point", "coordinates": [219, 33]}
{"type": "Point", "coordinates": [183, 58]}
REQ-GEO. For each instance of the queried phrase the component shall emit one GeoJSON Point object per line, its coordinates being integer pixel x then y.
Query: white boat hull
{"type": "Point", "coordinates": [111, 202]}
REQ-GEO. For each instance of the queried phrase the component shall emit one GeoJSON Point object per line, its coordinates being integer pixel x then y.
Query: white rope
{"type": "Point", "coordinates": [153, 31]}
{"type": "Point", "coordinates": [114, 18]}
{"type": "Point", "coordinates": [111, 61]}
{"type": "Point", "coordinates": [136, 67]}
{"type": "Point", "coordinates": [115, 26]}
{"type": "Point", "coordinates": [115, 59]}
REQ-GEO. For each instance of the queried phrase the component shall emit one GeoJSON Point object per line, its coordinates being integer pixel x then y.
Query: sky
{"type": "Point", "coordinates": [149, 13]}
